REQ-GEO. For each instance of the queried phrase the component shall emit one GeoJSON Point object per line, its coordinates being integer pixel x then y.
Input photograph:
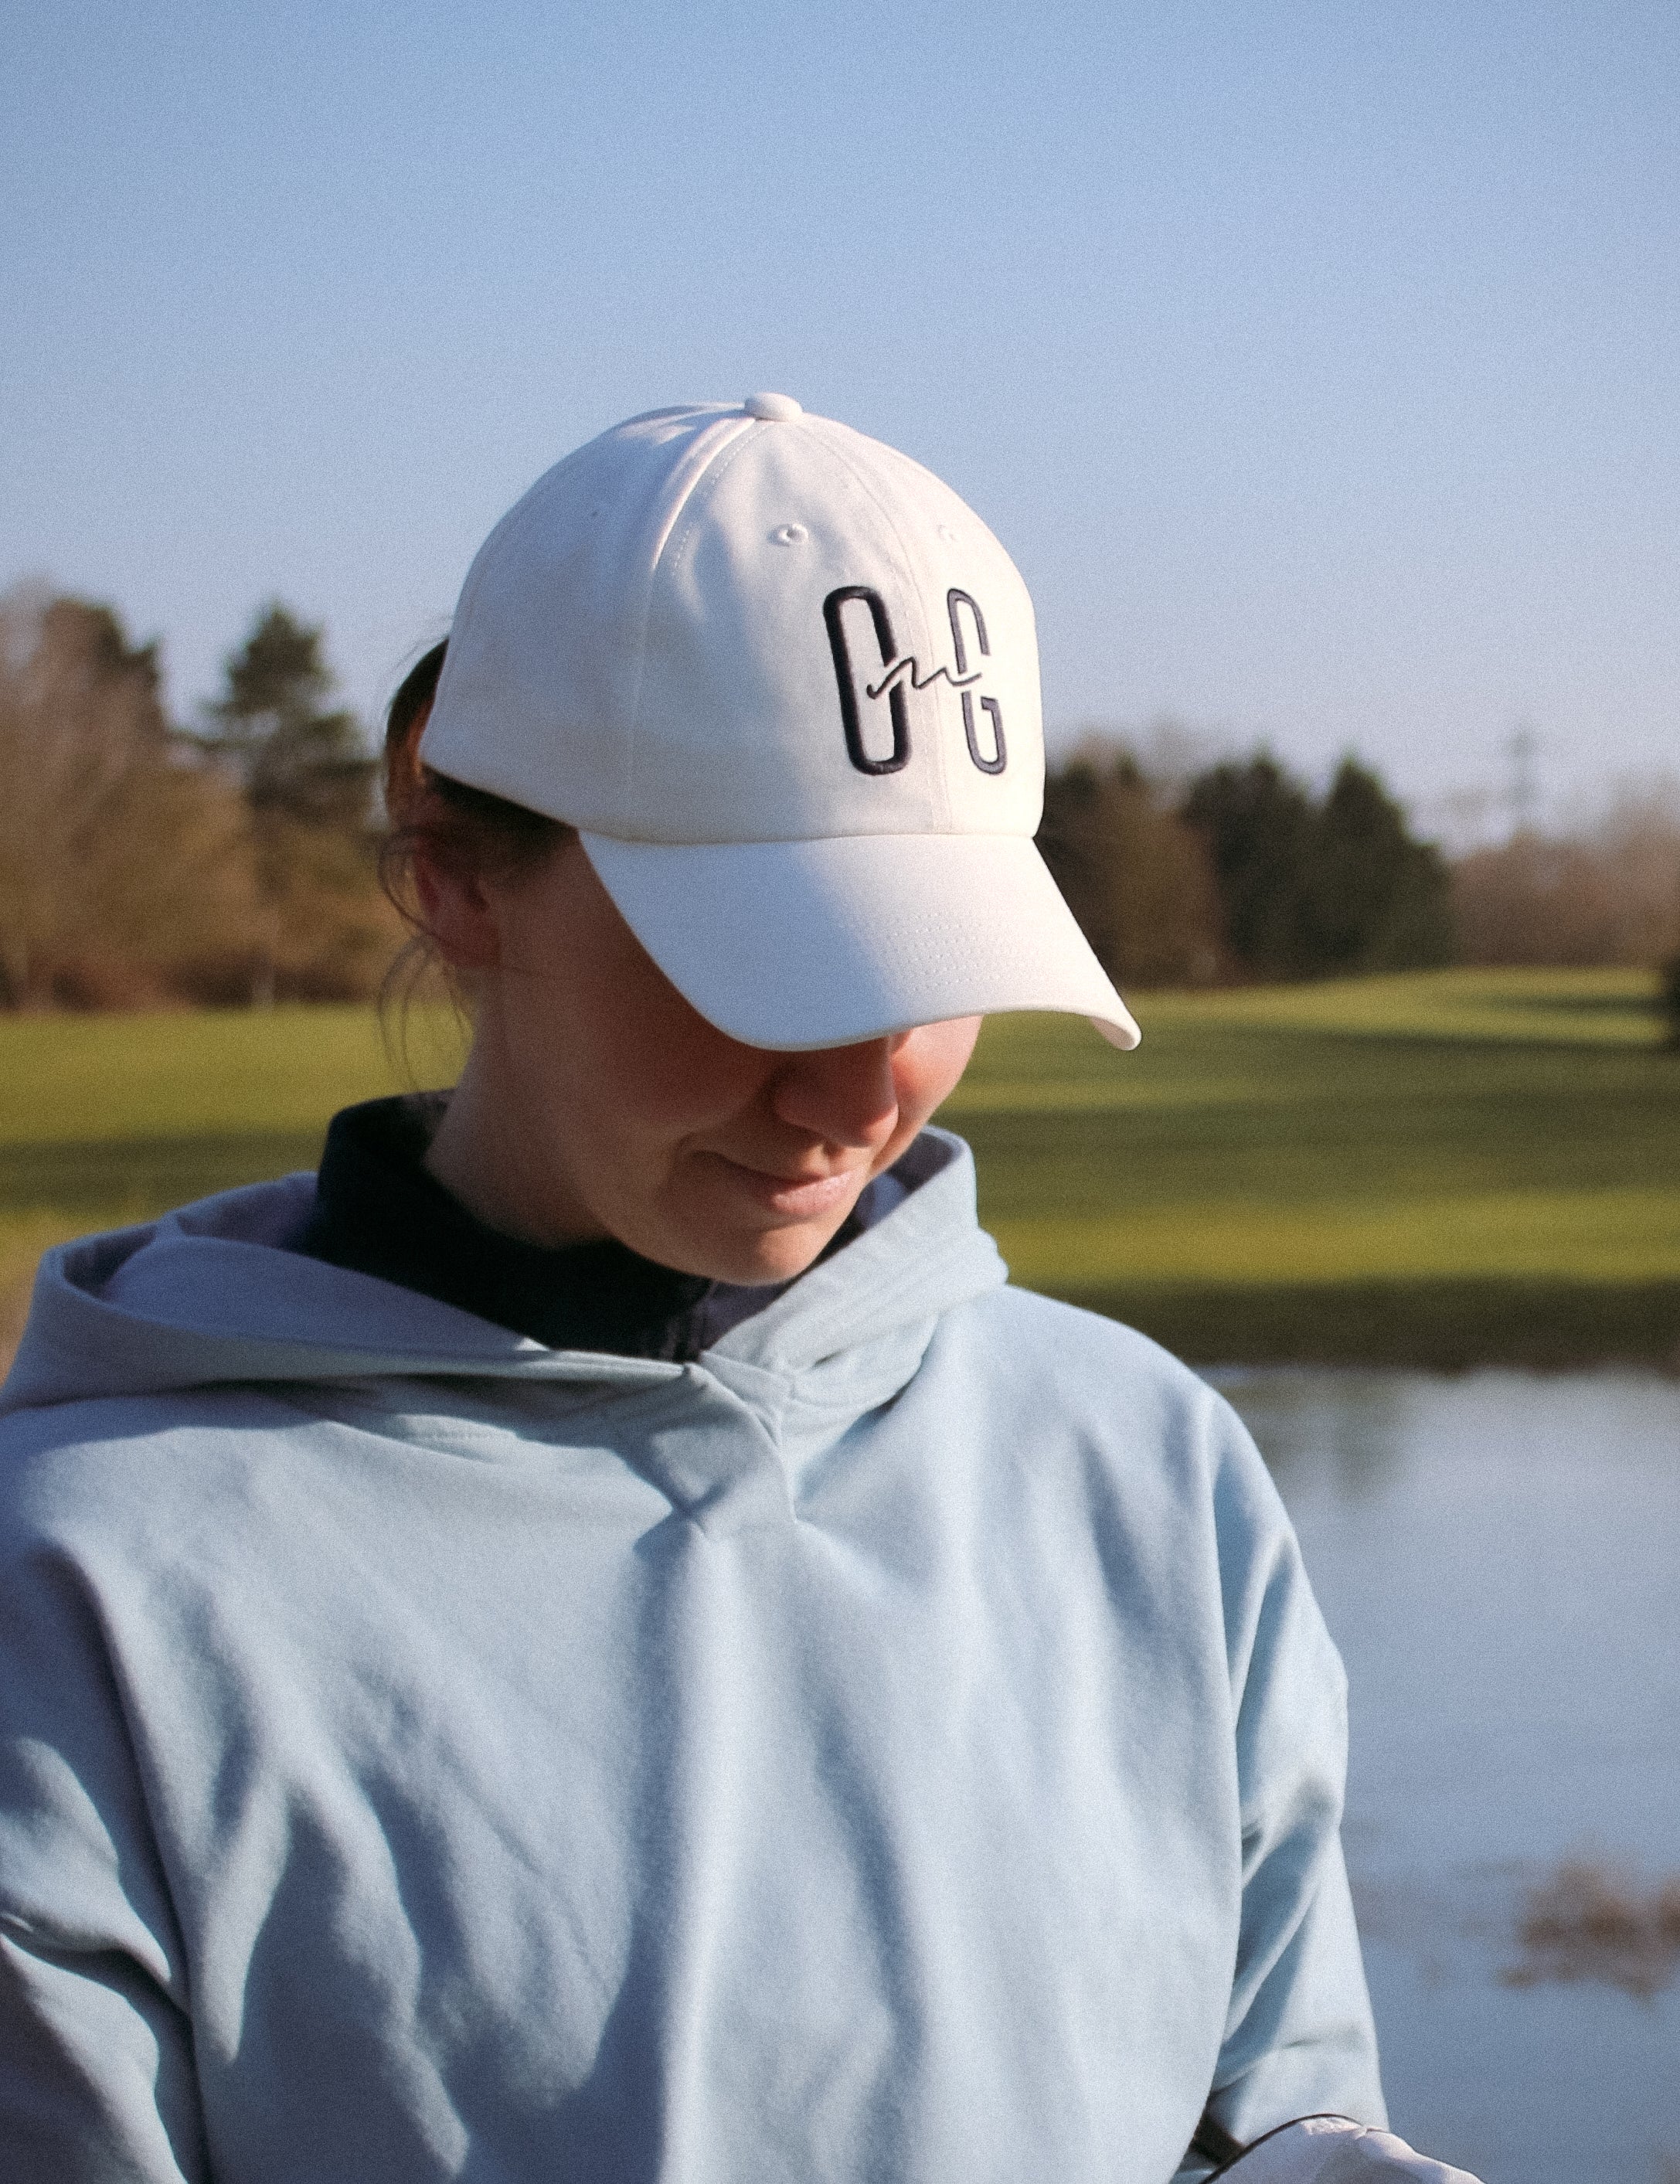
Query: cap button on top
{"type": "Point", "coordinates": [773, 409]}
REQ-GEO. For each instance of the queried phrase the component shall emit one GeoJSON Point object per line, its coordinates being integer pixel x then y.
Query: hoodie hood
{"type": "Point", "coordinates": [214, 1293]}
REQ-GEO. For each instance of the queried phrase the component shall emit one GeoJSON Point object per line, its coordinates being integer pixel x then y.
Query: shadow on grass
{"type": "Point", "coordinates": [131, 1178]}
{"type": "Point", "coordinates": [1448, 1326]}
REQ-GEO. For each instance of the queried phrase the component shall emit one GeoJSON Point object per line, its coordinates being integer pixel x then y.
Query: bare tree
{"type": "Point", "coordinates": [1609, 893]}
{"type": "Point", "coordinates": [1138, 879]}
{"type": "Point", "coordinates": [118, 853]}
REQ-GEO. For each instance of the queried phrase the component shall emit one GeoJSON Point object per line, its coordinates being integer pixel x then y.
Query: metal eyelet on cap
{"type": "Point", "coordinates": [789, 534]}
{"type": "Point", "coordinates": [773, 409]}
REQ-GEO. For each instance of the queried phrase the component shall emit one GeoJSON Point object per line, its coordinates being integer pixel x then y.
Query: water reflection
{"type": "Point", "coordinates": [1351, 1426]}
{"type": "Point", "coordinates": [1496, 1556]}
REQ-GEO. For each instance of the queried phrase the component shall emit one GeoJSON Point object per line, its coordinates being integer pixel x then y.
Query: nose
{"type": "Point", "coordinates": [846, 1095]}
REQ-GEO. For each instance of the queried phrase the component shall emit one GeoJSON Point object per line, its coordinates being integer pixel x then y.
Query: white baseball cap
{"type": "Point", "coordinates": [785, 685]}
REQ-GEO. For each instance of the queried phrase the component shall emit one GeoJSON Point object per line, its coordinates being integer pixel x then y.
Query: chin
{"type": "Point", "coordinates": [776, 1256]}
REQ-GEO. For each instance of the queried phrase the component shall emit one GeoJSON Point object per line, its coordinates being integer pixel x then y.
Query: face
{"type": "Point", "coordinates": [597, 1102]}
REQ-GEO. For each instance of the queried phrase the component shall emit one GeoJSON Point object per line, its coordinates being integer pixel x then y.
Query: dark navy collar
{"type": "Point", "coordinates": [380, 1211]}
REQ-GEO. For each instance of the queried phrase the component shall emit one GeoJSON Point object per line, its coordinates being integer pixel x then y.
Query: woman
{"type": "Point", "coordinates": [598, 1638]}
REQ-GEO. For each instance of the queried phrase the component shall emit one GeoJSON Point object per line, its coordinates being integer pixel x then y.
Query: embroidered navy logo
{"type": "Point", "coordinates": [954, 603]}
{"type": "Point", "coordinates": [877, 669]}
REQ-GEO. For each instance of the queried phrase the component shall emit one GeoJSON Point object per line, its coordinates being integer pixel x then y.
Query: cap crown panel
{"type": "Point", "coordinates": [739, 734]}
{"type": "Point", "coordinates": [658, 641]}
{"type": "Point", "coordinates": [544, 658]}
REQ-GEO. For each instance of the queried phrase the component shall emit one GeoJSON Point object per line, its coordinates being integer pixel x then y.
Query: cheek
{"type": "Point", "coordinates": [929, 1065]}
{"type": "Point", "coordinates": [659, 1069]}
{"type": "Point", "coordinates": [676, 1087]}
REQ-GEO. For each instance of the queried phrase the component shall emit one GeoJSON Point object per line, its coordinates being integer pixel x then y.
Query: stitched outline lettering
{"type": "Point", "coordinates": [999, 758]}
{"type": "Point", "coordinates": [893, 684]}
{"type": "Point", "coordinates": [899, 669]}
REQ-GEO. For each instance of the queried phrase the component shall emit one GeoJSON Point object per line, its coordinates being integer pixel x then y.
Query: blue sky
{"type": "Point", "coordinates": [1316, 362]}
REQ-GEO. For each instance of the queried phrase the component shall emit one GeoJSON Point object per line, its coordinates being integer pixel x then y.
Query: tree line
{"type": "Point", "coordinates": [230, 861]}
{"type": "Point", "coordinates": [234, 860]}
{"type": "Point", "coordinates": [1239, 872]}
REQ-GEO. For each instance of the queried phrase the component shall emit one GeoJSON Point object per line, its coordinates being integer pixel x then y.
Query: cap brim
{"type": "Point", "coordinates": [802, 944]}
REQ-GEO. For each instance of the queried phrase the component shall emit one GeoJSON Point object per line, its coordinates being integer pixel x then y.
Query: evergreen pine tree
{"type": "Point", "coordinates": [297, 760]}
{"type": "Point", "coordinates": [1258, 823]}
{"type": "Point", "coordinates": [307, 780]}
{"type": "Point", "coordinates": [1371, 899]}
{"type": "Point", "coordinates": [1319, 890]}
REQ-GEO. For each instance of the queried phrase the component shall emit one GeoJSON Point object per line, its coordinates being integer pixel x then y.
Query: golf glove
{"type": "Point", "coordinates": [1327, 2149]}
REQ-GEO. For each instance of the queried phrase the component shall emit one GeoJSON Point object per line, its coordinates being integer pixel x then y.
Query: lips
{"type": "Point", "coordinates": [794, 1197]}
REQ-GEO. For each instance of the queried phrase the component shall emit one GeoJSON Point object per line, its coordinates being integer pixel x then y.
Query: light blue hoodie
{"type": "Point", "coordinates": [900, 1748]}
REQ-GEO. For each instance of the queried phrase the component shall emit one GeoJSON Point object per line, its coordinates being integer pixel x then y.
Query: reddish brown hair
{"type": "Point", "coordinates": [463, 825]}
{"type": "Point", "coordinates": [458, 825]}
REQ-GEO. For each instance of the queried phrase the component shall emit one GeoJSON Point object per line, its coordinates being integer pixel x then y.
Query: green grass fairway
{"type": "Point", "coordinates": [1445, 1168]}
{"type": "Point", "coordinates": [108, 1119]}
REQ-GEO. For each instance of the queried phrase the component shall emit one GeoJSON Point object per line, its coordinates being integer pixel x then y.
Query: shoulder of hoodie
{"type": "Point", "coordinates": [1159, 1451]}
{"type": "Point", "coordinates": [1037, 1343]}
{"type": "Point", "coordinates": [1110, 1393]}
{"type": "Point", "coordinates": [98, 1455]}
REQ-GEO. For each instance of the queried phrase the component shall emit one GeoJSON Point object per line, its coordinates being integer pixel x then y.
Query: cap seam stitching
{"type": "Point", "coordinates": [678, 523]}
{"type": "Point", "coordinates": [708, 480]}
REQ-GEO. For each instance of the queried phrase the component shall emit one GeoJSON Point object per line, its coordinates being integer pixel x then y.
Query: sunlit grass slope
{"type": "Point", "coordinates": [108, 1119]}
{"type": "Point", "coordinates": [1443, 1167]}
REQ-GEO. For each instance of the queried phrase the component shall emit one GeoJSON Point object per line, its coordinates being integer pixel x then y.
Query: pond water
{"type": "Point", "coordinates": [1499, 1557]}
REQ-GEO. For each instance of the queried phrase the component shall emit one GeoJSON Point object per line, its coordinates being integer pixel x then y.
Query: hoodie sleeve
{"type": "Point", "coordinates": [96, 2080]}
{"type": "Point", "coordinates": [1299, 2035]}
